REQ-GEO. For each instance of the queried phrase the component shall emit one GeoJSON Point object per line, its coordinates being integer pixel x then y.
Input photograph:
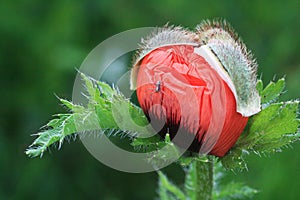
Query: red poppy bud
{"type": "Point", "coordinates": [182, 84]}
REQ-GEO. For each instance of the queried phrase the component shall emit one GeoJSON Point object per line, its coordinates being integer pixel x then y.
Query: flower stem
{"type": "Point", "coordinates": [199, 179]}
{"type": "Point", "coordinates": [204, 173]}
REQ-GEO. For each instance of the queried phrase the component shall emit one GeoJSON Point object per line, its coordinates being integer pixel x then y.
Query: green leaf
{"type": "Point", "coordinates": [57, 130]}
{"type": "Point", "coordinates": [275, 127]}
{"type": "Point", "coordinates": [272, 91]}
{"type": "Point", "coordinates": [232, 190]}
{"type": "Point", "coordinates": [101, 113]}
{"type": "Point", "coordinates": [269, 131]}
{"type": "Point", "coordinates": [148, 144]}
{"type": "Point", "coordinates": [168, 190]}
{"type": "Point", "coordinates": [272, 125]}
{"type": "Point", "coordinates": [129, 117]}
{"type": "Point", "coordinates": [160, 151]}
{"type": "Point", "coordinates": [234, 160]}
{"type": "Point", "coordinates": [70, 105]}
{"type": "Point", "coordinates": [164, 195]}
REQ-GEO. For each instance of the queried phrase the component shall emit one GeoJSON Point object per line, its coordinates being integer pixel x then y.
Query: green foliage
{"type": "Point", "coordinates": [60, 128]}
{"type": "Point", "coordinates": [148, 144]}
{"type": "Point", "coordinates": [204, 179]}
{"type": "Point", "coordinates": [41, 44]}
{"type": "Point", "coordinates": [275, 127]}
{"type": "Point", "coordinates": [232, 191]}
{"type": "Point", "coordinates": [229, 191]}
{"type": "Point", "coordinates": [198, 182]}
{"type": "Point", "coordinates": [272, 91]}
{"type": "Point", "coordinates": [99, 114]}
{"type": "Point", "coordinates": [168, 190]}
{"type": "Point", "coordinates": [160, 151]}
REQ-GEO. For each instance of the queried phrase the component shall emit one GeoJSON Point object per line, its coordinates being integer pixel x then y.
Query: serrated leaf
{"type": "Point", "coordinates": [276, 120]}
{"type": "Point", "coordinates": [273, 128]}
{"type": "Point", "coordinates": [90, 85]}
{"type": "Point", "coordinates": [54, 122]}
{"type": "Point", "coordinates": [235, 191]}
{"type": "Point", "coordinates": [146, 141]}
{"type": "Point", "coordinates": [232, 190]}
{"type": "Point", "coordinates": [268, 131]}
{"type": "Point", "coordinates": [164, 195]}
{"type": "Point", "coordinates": [147, 144]}
{"type": "Point", "coordinates": [69, 104]}
{"type": "Point", "coordinates": [125, 114]}
{"type": "Point", "coordinates": [98, 114]}
{"type": "Point", "coordinates": [272, 124]}
{"type": "Point", "coordinates": [164, 153]}
{"type": "Point", "coordinates": [272, 91]}
{"type": "Point", "coordinates": [234, 160]}
{"type": "Point", "coordinates": [107, 92]}
{"type": "Point", "coordinates": [57, 130]}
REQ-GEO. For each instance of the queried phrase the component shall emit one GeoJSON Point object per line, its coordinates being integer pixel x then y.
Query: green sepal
{"type": "Point", "coordinates": [275, 127]}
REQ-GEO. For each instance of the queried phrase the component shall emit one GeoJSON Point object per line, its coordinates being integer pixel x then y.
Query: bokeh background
{"type": "Point", "coordinates": [42, 42]}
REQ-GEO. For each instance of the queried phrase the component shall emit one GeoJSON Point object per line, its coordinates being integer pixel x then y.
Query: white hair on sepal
{"type": "Point", "coordinates": [165, 36]}
{"type": "Point", "coordinates": [161, 37]}
{"type": "Point", "coordinates": [238, 62]}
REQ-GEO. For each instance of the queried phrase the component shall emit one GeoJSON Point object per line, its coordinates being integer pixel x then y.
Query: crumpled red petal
{"type": "Point", "coordinates": [179, 92]}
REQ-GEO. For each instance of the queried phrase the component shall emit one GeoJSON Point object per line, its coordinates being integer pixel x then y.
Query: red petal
{"type": "Point", "coordinates": [177, 89]}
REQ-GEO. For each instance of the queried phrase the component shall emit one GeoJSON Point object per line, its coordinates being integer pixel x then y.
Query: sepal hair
{"type": "Point", "coordinates": [165, 36]}
{"type": "Point", "coordinates": [237, 61]}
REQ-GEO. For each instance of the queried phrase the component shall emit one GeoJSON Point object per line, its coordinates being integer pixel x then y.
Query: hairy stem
{"type": "Point", "coordinates": [199, 179]}
{"type": "Point", "coordinates": [204, 173]}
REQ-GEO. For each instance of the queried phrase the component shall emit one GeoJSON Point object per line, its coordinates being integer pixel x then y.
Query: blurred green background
{"type": "Point", "coordinates": [44, 41]}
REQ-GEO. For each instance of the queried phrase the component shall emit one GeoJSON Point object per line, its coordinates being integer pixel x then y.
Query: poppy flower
{"type": "Point", "coordinates": [197, 85]}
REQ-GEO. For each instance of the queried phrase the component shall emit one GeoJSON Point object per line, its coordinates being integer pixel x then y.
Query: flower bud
{"type": "Point", "coordinates": [200, 84]}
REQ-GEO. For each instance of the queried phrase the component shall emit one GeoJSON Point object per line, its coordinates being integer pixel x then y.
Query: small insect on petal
{"type": "Point", "coordinates": [158, 86]}
{"type": "Point", "coordinates": [188, 87]}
